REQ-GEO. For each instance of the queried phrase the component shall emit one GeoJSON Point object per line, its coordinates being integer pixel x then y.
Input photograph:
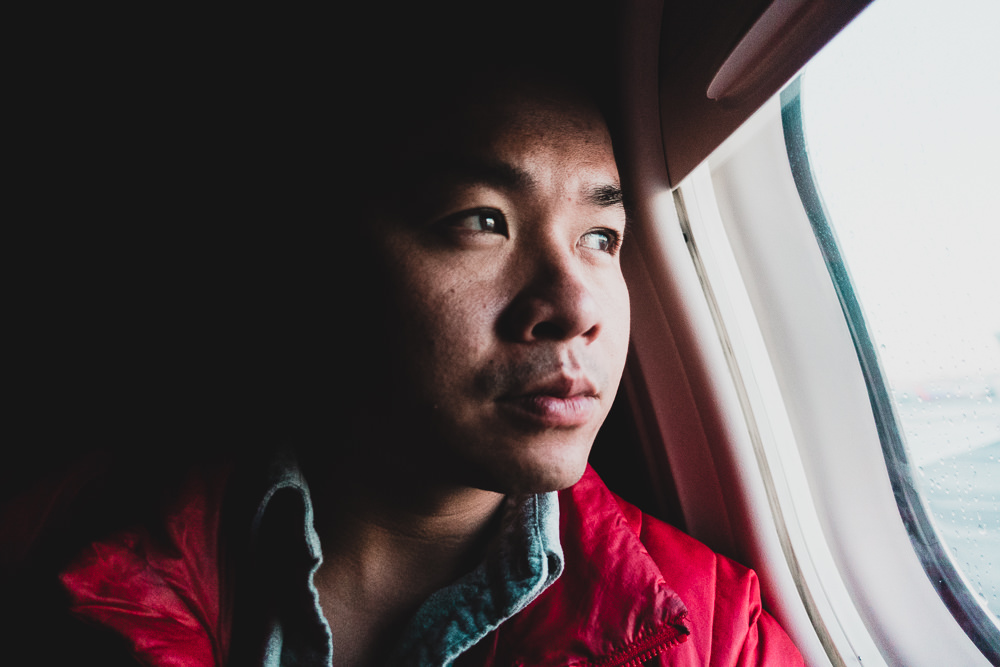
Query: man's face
{"type": "Point", "coordinates": [507, 316]}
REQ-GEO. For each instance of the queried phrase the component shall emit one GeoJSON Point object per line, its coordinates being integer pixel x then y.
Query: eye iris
{"type": "Point", "coordinates": [484, 221]}
{"type": "Point", "coordinates": [481, 221]}
{"type": "Point", "coordinates": [598, 241]}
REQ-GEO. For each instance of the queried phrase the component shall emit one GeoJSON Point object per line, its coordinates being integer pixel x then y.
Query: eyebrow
{"type": "Point", "coordinates": [605, 195]}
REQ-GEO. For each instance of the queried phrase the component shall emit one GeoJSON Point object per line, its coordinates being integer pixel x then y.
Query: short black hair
{"type": "Point", "coordinates": [424, 58]}
{"type": "Point", "coordinates": [206, 178]}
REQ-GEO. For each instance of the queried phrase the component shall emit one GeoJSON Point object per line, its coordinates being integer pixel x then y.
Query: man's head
{"type": "Point", "coordinates": [501, 314]}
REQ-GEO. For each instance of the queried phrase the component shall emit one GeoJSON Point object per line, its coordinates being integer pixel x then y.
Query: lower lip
{"type": "Point", "coordinates": [552, 411]}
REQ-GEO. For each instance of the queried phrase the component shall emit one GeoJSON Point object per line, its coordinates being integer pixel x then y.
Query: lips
{"type": "Point", "coordinates": [560, 403]}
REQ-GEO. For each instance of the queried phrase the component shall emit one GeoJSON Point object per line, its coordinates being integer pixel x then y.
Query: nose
{"type": "Point", "coordinates": [554, 303]}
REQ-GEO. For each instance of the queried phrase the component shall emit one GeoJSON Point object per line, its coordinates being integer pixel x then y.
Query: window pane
{"type": "Point", "coordinates": [902, 131]}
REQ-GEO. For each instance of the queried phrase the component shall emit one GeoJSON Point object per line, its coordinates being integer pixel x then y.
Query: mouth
{"type": "Point", "coordinates": [562, 403]}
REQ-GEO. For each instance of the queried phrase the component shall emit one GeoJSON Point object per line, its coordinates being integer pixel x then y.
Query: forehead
{"type": "Point", "coordinates": [546, 132]}
{"type": "Point", "coordinates": [528, 128]}
{"type": "Point", "coordinates": [533, 109]}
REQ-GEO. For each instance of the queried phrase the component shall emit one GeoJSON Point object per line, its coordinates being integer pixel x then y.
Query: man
{"type": "Point", "coordinates": [506, 286]}
{"type": "Point", "coordinates": [455, 521]}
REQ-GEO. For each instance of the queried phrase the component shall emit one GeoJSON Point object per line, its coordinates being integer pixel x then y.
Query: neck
{"type": "Point", "coordinates": [388, 543]}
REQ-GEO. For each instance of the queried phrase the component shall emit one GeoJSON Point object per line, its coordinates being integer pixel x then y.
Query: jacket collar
{"type": "Point", "coordinates": [524, 559]}
{"type": "Point", "coordinates": [610, 607]}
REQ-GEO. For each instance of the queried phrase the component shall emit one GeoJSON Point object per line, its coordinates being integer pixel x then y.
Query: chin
{"type": "Point", "coordinates": [547, 471]}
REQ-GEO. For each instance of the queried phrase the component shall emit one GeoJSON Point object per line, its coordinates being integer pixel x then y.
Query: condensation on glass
{"type": "Point", "coordinates": [894, 137]}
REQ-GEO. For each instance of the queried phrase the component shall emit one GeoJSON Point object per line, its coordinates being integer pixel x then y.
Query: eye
{"type": "Point", "coordinates": [603, 240]}
{"type": "Point", "coordinates": [488, 220]}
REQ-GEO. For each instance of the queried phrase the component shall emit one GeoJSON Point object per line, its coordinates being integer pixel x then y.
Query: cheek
{"type": "Point", "coordinates": [617, 321]}
{"type": "Point", "coordinates": [448, 322]}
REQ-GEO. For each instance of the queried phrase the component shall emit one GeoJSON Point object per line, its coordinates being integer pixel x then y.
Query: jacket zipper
{"type": "Point", "coordinates": [645, 649]}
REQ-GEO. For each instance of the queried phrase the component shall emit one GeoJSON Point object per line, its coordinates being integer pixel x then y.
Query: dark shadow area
{"type": "Point", "coordinates": [618, 458]}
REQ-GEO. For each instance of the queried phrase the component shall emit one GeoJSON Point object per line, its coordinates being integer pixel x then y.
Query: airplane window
{"type": "Point", "coordinates": [893, 139]}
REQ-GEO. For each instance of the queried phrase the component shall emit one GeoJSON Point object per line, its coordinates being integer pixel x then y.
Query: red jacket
{"type": "Point", "coordinates": [618, 601]}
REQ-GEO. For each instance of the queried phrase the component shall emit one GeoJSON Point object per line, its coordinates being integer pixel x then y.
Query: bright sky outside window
{"type": "Point", "coordinates": [902, 129]}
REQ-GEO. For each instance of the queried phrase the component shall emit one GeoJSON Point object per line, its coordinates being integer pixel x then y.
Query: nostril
{"type": "Point", "coordinates": [552, 306]}
{"type": "Point", "coordinates": [547, 331]}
